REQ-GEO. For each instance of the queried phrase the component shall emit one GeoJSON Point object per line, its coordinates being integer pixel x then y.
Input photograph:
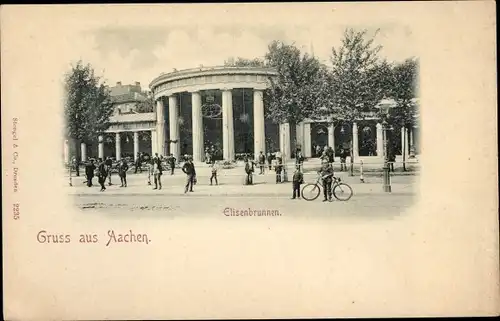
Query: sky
{"type": "Point", "coordinates": [141, 46]}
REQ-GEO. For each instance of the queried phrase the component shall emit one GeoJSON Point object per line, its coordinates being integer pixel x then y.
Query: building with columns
{"type": "Point", "coordinates": [222, 109]}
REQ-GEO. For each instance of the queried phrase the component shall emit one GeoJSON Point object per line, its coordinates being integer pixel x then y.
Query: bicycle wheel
{"type": "Point", "coordinates": [342, 192]}
{"type": "Point", "coordinates": [310, 192]}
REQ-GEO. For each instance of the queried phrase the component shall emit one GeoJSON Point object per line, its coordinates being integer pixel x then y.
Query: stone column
{"type": "Point", "coordinates": [285, 140]}
{"type": "Point", "coordinates": [136, 145]}
{"type": "Point", "coordinates": [331, 136]}
{"type": "Point", "coordinates": [299, 129]}
{"type": "Point", "coordinates": [197, 119]}
{"type": "Point", "coordinates": [227, 124]}
{"type": "Point", "coordinates": [259, 133]}
{"type": "Point", "coordinates": [380, 141]}
{"type": "Point", "coordinates": [411, 145]}
{"type": "Point", "coordinates": [404, 142]}
{"type": "Point", "coordinates": [159, 142]}
{"type": "Point", "coordinates": [154, 142]}
{"type": "Point", "coordinates": [100, 151]}
{"type": "Point", "coordinates": [118, 146]}
{"type": "Point", "coordinates": [83, 151]}
{"type": "Point", "coordinates": [355, 143]}
{"type": "Point", "coordinates": [173, 114]}
{"type": "Point", "coordinates": [66, 151]}
{"type": "Point", "coordinates": [306, 150]}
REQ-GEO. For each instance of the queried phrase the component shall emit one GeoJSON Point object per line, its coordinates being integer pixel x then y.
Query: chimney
{"type": "Point", "coordinates": [118, 83]}
{"type": "Point", "coordinates": [137, 83]}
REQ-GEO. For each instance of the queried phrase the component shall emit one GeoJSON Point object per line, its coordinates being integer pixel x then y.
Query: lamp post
{"type": "Point", "coordinates": [387, 177]}
{"type": "Point", "coordinates": [385, 105]}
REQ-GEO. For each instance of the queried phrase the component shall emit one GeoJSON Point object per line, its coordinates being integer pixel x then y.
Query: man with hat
{"type": "Point", "coordinates": [190, 172]}
{"type": "Point", "coordinates": [157, 171]}
{"type": "Point", "coordinates": [89, 172]}
{"type": "Point", "coordinates": [326, 173]}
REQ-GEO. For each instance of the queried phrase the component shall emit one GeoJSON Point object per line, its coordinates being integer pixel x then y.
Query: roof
{"type": "Point", "coordinates": [128, 97]}
{"type": "Point", "coordinates": [133, 118]}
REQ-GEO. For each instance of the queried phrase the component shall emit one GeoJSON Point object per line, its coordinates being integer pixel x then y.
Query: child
{"type": "Point", "coordinates": [298, 178]}
{"type": "Point", "coordinates": [278, 168]}
{"type": "Point", "coordinates": [214, 173]}
{"type": "Point", "coordinates": [122, 171]}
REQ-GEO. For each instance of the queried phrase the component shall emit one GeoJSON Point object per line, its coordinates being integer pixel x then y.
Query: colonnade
{"type": "Point", "coordinates": [303, 137]}
{"type": "Point", "coordinates": [197, 125]}
{"type": "Point", "coordinates": [118, 147]}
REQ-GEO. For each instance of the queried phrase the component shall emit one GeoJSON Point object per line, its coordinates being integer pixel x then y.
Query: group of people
{"type": "Point", "coordinates": [261, 161]}
{"type": "Point", "coordinates": [326, 171]}
{"type": "Point", "coordinates": [103, 168]}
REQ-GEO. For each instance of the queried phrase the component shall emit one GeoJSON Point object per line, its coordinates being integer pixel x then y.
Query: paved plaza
{"type": "Point", "coordinates": [171, 201]}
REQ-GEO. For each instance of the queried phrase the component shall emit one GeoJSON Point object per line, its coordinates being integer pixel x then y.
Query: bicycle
{"type": "Point", "coordinates": [341, 190]}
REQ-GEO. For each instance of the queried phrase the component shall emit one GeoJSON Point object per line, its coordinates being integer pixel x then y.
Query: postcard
{"type": "Point", "coordinates": [258, 160]}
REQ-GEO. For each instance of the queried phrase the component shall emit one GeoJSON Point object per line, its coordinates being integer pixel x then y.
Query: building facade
{"type": "Point", "coordinates": [222, 109]}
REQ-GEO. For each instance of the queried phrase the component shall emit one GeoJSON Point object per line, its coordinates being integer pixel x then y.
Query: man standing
{"type": "Point", "coordinates": [326, 173]}
{"type": "Point", "coordinates": [269, 160]}
{"type": "Point", "coordinates": [248, 171]}
{"type": "Point", "coordinates": [122, 171]}
{"type": "Point", "coordinates": [171, 163]}
{"type": "Point", "coordinates": [76, 165]}
{"type": "Point", "coordinates": [157, 171]}
{"type": "Point", "coordinates": [89, 172]}
{"type": "Point", "coordinates": [213, 167]}
{"type": "Point", "coordinates": [190, 172]}
{"type": "Point", "coordinates": [330, 154]}
{"type": "Point", "coordinates": [102, 173]}
{"type": "Point", "coordinates": [109, 166]}
{"type": "Point", "coordinates": [262, 162]}
{"type": "Point", "coordinates": [318, 151]}
{"type": "Point", "coordinates": [278, 168]}
{"type": "Point", "coordinates": [298, 178]}
{"type": "Point", "coordinates": [138, 163]}
{"type": "Point", "coordinates": [343, 157]}
{"type": "Point", "coordinates": [299, 159]}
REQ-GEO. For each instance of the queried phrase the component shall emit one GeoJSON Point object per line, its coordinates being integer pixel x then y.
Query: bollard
{"type": "Point", "coordinates": [361, 178]}
{"type": "Point", "coordinates": [387, 178]}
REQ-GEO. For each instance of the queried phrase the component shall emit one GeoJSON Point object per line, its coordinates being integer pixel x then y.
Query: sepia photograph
{"type": "Point", "coordinates": [290, 119]}
{"type": "Point", "coordinates": [249, 160]}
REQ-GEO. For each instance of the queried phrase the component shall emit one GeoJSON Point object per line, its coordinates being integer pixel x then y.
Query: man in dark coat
{"type": "Point", "coordinates": [298, 179]}
{"type": "Point", "coordinates": [190, 172]}
{"type": "Point", "coordinates": [102, 173]}
{"type": "Point", "coordinates": [122, 171]}
{"type": "Point", "coordinates": [269, 160]}
{"type": "Point", "coordinates": [330, 154]}
{"type": "Point", "coordinates": [171, 163]}
{"type": "Point", "coordinates": [138, 163]}
{"type": "Point", "coordinates": [89, 172]}
{"type": "Point", "coordinates": [262, 162]}
{"type": "Point", "coordinates": [326, 173]}
{"type": "Point", "coordinates": [249, 168]}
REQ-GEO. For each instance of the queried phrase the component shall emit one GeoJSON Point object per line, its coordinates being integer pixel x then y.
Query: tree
{"type": "Point", "coordinates": [147, 105]}
{"type": "Point", "coordinates": [355, 82]}
{"type": "Point", "coordinates": [88, 104]}
{"type": "Point", "coordinates": [293, 94]}
{"type": "Point", "coordinates": [243, 62]}
{"type": "Point", "coordinates": [404, 92]}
